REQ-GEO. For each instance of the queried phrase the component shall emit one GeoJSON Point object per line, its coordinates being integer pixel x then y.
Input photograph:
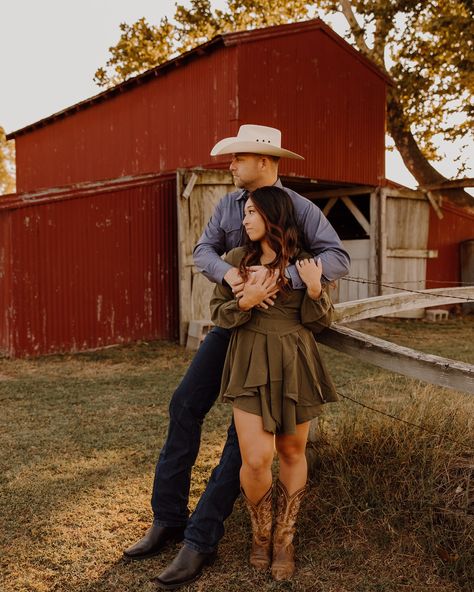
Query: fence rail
{"type": "Point", "coordinates": [437, 370]}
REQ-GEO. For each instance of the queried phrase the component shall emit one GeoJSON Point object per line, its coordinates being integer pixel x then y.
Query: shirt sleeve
{"type": "Point", "coordinates": [209, 248]}
{"type": "Point", "coordinates": [317, 314]}
{"type": "Point", "coordinates": [225, 311]}
{"type": "Point", "coordinates": [322, 241]}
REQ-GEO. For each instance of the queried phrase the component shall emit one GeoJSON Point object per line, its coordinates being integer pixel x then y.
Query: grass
{"type": "Point", "coordinates": [390, 507]}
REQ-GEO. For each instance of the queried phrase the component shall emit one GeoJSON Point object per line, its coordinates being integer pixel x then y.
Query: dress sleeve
{"type": "Point", "coordinates": [317, 314]}
{"type": "Point", "coordinates": [225, 311]}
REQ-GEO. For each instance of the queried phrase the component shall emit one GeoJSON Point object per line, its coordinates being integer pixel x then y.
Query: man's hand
{"type": "Point", "coordinates": [310, 272]}
{"type": "Point", "coordinates": [258, 291]}
{"type": "Point", "coordinates": [232, 277]}
{"type": "Point", "coordinates": [261, 273]}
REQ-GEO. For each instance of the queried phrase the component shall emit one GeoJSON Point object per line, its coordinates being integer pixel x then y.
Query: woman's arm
{"type": "Point", "coordinates": [225, 309]}
{"type": "Point", "coordinates": [316, 309]}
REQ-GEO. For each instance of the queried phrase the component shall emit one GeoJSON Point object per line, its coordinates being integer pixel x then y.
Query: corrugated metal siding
{"type": "Point", "coordinates": [445, 235]}
{"type": "Point", "coordinates": [167, 123]}
{"type": "Point", "coordinates": [329, 105]}
{"type": "Point", "coordinates": [5, 280]}
{"type": "Point", "coordinates": [94, 270]}
{"type": "Point", "coordinates": [328, 102]}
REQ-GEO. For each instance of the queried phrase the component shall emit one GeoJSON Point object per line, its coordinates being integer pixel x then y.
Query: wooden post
{"type": "Point", "coordinates": [373, 245]}
{"type": "Point", "coordinates": [382, 239]}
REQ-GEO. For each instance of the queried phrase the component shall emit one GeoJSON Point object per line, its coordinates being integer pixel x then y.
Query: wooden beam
{"type": "Point", "coordinates": [452, 184]}
{"type": "Point", "coordinates": [368, 308]}
{"type": "Point", "coordinates": [403, 193]}
{"type": "Point", "coordinates": [210, 176]}
{"type": "Point", "coordinates": [189, 186]}
{"type": "Point", "coordinates": [328, 207]}
{"type": "Point", "coordinates": [434, 204]}
{"type": "Point", "coordinates": [365, 189]}
{"type": "Point", "coordinates": [413, 253]}
{"type": "Point", "coordinates": [382, 240]}
{"type": "Point", "coordinates": [403, 360]}
{"type": "Point", "coordinates": [358, 215]}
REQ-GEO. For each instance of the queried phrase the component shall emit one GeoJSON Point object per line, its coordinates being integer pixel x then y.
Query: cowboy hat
{"type": "Point", "coordinates": [255, 139]}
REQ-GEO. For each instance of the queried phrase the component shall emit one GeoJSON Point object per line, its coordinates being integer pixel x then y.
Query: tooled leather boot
{"type": "Point", "coordinates": [261, 518]}
{"type": "Point", "coordinates": [283, 564]}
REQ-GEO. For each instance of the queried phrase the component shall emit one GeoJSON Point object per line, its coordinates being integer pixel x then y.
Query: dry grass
{"type": "Point", "coordinates": [390, 507]}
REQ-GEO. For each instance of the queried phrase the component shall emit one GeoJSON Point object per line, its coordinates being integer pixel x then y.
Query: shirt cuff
{"type": "Point", "coordinates": [296, 281]}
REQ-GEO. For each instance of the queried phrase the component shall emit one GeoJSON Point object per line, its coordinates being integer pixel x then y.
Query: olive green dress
{"type": "Point", "coordinates": [273, 367]}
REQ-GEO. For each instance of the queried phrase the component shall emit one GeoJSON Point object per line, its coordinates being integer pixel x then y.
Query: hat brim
{"type": "Point", "coordinates": [236, 145]}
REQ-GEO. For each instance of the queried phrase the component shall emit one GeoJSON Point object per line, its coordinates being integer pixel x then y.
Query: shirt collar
{"type": "Point", "coordinates": [244, 193]}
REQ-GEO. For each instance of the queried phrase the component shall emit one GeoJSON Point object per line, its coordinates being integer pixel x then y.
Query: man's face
{"type": "Point", "coordinates": [246, 170]}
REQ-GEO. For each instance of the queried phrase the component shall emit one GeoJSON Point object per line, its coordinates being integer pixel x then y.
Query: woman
{"type": "Point", "coordinates": [273, 374]}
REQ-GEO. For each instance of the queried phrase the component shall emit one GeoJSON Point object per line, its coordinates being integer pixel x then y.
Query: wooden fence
{"type": "Point", "coordinates": [403, 360]}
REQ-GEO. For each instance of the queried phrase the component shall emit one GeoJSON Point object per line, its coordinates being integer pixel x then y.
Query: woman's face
{"type": "Point", "coordinates": [254, 223]}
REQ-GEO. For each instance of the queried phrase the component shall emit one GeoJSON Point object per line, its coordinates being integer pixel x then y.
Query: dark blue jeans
{"type": "Point", "coordinates": [189, 405]}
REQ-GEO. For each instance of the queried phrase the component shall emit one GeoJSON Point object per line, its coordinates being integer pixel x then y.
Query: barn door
{"type": "Point", "coordinates": [198, 192]}
{"type": "Point", "coordinates": [346, 290]}
{"type": "Point", "coordinates": [405, 249]}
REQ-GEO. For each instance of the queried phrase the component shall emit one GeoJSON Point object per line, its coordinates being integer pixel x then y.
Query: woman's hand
{"type": "Point", "coordinates": [310, 272]}
{"type": "Point", "coordinates": [257, 290]}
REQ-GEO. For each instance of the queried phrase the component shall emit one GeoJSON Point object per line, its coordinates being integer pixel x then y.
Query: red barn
{"type": "Point", "coordinates": [95, 246]}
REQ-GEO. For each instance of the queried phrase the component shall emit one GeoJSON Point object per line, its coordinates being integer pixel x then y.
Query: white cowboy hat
{"type": "Point", "coordinates": [255, 139]}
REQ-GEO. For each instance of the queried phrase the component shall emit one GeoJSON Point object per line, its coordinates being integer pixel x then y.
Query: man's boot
{"type": "Point", "coordinates": [261, 518]}
{"type": "Point", "coordinates": [283, 564]}
{"type": "Point", "coordinates": [155, 540]}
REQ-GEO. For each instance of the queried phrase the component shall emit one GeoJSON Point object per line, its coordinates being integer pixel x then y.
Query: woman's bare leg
{"type": "Point", "coordinates": [291, 452]}
{"type": "Point", "coordinates": [257, 448]}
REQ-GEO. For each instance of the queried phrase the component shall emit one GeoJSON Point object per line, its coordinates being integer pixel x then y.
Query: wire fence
{"type": "Point", "coordinates": [399, 419]}
{"type": "Point", "coordinates": [396, 286]}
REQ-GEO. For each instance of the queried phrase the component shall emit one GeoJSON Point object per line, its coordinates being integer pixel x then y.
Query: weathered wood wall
{"type": "Point", "coordinates": [198, 193]}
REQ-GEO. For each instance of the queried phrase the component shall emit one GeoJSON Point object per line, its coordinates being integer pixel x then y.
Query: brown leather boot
{"type": "Point", "coordinates": [283, 564]}
{"type": "Point", "coordinates": [261, 518]}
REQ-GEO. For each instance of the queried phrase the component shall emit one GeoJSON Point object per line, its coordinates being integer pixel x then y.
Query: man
{"type": "Point", "coordinates": [255, 151]}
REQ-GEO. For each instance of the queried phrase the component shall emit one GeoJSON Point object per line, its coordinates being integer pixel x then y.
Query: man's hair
{"type": "Point", "coordinates": [281, 232]}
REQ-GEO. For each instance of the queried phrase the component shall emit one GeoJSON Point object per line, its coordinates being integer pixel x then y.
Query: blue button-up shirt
{"type": "Point", "coordinates": [225, 232]}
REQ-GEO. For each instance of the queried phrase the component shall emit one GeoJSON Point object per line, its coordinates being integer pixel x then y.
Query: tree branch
{"type": "Point", "coordinates": [356, 29]}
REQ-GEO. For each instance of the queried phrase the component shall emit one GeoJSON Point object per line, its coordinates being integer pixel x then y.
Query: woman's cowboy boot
{"type": "Point", "coordinates": [261, 518]}
{"type": "Point", "coordinates": [283, 564]}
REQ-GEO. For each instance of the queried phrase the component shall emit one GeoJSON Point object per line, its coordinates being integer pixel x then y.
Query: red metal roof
{"type": "Point", "coordinates": [226, 40]}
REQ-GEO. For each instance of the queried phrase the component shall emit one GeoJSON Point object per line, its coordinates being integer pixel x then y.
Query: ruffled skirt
{"type": "Point", "coordinates": [276, 372]}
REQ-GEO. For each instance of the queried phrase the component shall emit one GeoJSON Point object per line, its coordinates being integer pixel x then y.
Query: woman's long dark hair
{"type": "Point", "coordinates": [282, 234]}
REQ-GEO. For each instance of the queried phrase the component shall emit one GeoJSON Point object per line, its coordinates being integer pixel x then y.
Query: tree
{"type": "Point", "coordinates": [425, 46]}
{"type": "Point", "coordinates": [7, 164]}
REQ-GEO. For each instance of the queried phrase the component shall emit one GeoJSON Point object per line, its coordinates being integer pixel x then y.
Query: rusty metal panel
{"type": "Point", "coordinates": [329, 105]}
{"type": "Point", "coordinates": [5, 281]}
{"type": "Point", "coordinates": [446, 235]}
{"type": "Point", "coordinates": [167, 123]}
{"type": "Point", "coordinates": [328, 100]}
{"type": "Point", "coordinates": [94, 269]}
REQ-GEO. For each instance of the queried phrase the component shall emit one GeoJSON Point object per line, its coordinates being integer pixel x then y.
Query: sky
{"type": "Point", "coordinates": [50, 50]}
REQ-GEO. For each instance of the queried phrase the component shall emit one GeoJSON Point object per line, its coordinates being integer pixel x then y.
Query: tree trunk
{"type": "Point", "coordinates": [412, 156]}
{"type": "Point", "coordinates": [397, 125]}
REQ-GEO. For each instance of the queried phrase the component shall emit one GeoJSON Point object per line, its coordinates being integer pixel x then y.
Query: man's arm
{"type": "Point", "coordinates": [209, 248]}
{"type": "Point", "coordinates": [323, 242]}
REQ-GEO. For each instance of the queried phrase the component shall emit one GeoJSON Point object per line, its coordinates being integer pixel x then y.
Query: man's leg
{"type": "Point", "coordinates": [189, 405]}
{"type": "Point", "coordinates": [206, 525]}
